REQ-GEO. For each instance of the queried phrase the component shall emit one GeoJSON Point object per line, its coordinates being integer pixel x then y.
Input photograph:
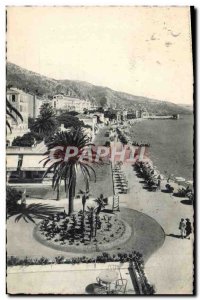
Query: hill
{"type": "Point", "coordinates": [35, 83]}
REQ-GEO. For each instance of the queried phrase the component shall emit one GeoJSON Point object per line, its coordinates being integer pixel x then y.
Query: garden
{"type": "Point", "coordinates": [82, 231]}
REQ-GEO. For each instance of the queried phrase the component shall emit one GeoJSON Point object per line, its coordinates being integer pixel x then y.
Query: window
{"type": "Point", "coordinates": [20, 108]}
{"type": "Point", "coordinates": [13, 98]}
{"type": "Point", "coordinates": [54, 104]}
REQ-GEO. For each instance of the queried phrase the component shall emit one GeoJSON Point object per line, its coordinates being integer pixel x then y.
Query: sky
{"type": "Point", "coordinates": [144, 51]}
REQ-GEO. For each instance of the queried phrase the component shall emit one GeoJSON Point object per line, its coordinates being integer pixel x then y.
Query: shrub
{"type": "Point", "coordinates": [12, 197]}
{"type": "Point", "coordinates": [27, 140]}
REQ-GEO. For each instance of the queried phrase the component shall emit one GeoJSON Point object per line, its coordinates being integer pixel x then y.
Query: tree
{"type": "Point", "coordinates": [85, 197]}
{"type": "Point", "coordinates": [12, 197]}
{"type": "Point", "coordinates": [103, 101]}
{"type": "Point", "coordinates": [11, 111]}
{"type": "Point", "coordinates": [73, 113]}
{"type": "Point", "coordinates": [46, 124]}
{"type": "Point", "coordinates": [100, 203]}
{"type": "Point", "coordinates": [27, 140]}
{"type": "Point", "coordinates": [66, 169]}
{"type": "Point", "coordinates": [30, 122]}
{"type": "Point", "coordinates": [69, 120]}
{"type": "Point", "coordinates": [91, 219]}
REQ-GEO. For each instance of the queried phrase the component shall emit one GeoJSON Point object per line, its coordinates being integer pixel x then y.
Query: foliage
{"type": "Point", "coordinates": [46, 124]}
{"type": "Point", "coordinates": [100, 203]}
{"type": "Point", "coordinates": [72, 113]}
{"type": "Point", "coordinates": [66, 169]}
{"type": "Point", "coordinates": [27, 140]}
{"type": "Point", "coordinates": [101, 258]}
{"type": "Point", "coordinates": [30, 122]}
{"type": "Point", "coordinates": [13, 113]}
{"type": "Point", "coordinates": [80, 229]}
{"type": "Point", "coordinates": [85, 197]}
{"type": "Point", "coordinates": [12, 197]}
{"type": "Point", "coordinates": [103, 101]}
{"type": "Point", "coordinates": [91, 218]}
{"type": "Point", "coordinates": [69, 120]}
{"type": "Point", "coordinates": [144, 287]}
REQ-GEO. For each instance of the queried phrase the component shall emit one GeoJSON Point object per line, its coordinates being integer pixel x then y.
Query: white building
{"type": "Point", "coordinates": [64, 103]}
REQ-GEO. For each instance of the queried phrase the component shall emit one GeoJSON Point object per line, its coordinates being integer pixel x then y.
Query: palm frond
{"type": "Point", "coordinates": [8, 125]}
{"type": "Point", "coordinates": [10, 107]}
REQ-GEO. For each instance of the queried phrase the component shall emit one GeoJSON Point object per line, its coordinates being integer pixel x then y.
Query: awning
{"type": "Point", "coordinates": [33, 163]}
{"type": "Point", "coordinates": [12, 162]}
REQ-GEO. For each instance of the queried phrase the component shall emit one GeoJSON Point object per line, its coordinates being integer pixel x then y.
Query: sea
{"type": "Point", "coordinates": [171, 144]}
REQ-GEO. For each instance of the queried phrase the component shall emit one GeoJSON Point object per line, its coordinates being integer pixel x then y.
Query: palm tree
{"type": "Point", "coordinates": [46, 124]}
{"type": "Point", "coordinates": [100, 203]}
{"type": "Point", "coordinates": [91, 211]}
{"type": "Point", "coordinates": [66, 170]}
{"type": "Point", "coordinates": [11, 111]}
{"type": "Point", "coordinates": [85, 197]}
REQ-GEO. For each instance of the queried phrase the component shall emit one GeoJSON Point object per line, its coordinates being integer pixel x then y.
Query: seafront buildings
{"type": "Point", "coordinates": [65, 103]}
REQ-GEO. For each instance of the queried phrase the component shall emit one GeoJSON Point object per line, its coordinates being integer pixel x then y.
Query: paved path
{"type": "Point", "coordinates": [60, 279]}
{"type": "Point", "coordinates": [170, 268]}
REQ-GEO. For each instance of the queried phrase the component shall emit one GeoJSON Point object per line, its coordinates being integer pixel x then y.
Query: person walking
{"type": "Point", "coordinates": [182, 227]}
{"type": "Point", "coordinates": [188, 228]}
{"type": "Point", "coordinates": [159, 182]}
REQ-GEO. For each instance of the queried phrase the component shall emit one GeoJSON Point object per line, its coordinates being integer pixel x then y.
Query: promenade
{"type": "Point", "coordinates": [168, 259]}
{"type": "Point", "coordinates": [171, 267]}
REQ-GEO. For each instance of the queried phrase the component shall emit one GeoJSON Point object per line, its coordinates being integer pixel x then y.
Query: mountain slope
{"type": "Point", "coordinates": [35, 83]}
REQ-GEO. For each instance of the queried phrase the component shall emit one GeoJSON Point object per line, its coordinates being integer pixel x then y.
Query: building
{"type": "Point", "coordinates": [144, 114]}
{"type": "Point", "coordinates": [64, 103]}
{"type": "Point", "coordinates": [19, 100]}
{"type": "Point", "coordinates": [124, 115]}
{"type": "Point", "coordinates": [121, 115]}
{"type": "Point", "coordinates": [25, 165]}
{"type": "Point", "coordinates": [137, 114]}
{"type": "Point", "coordinates": [34, 105]}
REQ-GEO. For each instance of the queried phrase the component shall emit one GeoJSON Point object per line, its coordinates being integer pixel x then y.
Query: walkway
{"type": "Point", "coordinates": [171, 267]}
{"type": "Point", "coordinates": [60, 279]}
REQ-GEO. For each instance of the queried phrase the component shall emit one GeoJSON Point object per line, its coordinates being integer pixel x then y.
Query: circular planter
{"type": "Point", "coordinates": [87, 247]}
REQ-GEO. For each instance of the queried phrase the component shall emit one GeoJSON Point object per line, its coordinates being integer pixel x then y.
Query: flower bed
{"type": "Point", "coordinates": [78, 234]}
{"type": "Point", "coordinates": [101, 258]}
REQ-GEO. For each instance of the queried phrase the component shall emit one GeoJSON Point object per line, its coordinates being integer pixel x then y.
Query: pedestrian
{"type": "Point", "coordinates": [159, 182]}
{"type": "Point", "coordinates": [182, 227]}
{"type": "Point", "coordinates": [188, 228]}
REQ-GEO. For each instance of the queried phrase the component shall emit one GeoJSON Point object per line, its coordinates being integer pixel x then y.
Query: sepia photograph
{"type": "Point", "coordinates": [99, 142]}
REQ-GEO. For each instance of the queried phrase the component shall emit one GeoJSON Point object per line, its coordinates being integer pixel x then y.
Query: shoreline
{"type": "Point", "coordinates": [127, 135]}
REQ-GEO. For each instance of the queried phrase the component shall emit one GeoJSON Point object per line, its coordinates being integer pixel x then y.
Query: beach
{"type": "Point", "coordinates": [171, 144]}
